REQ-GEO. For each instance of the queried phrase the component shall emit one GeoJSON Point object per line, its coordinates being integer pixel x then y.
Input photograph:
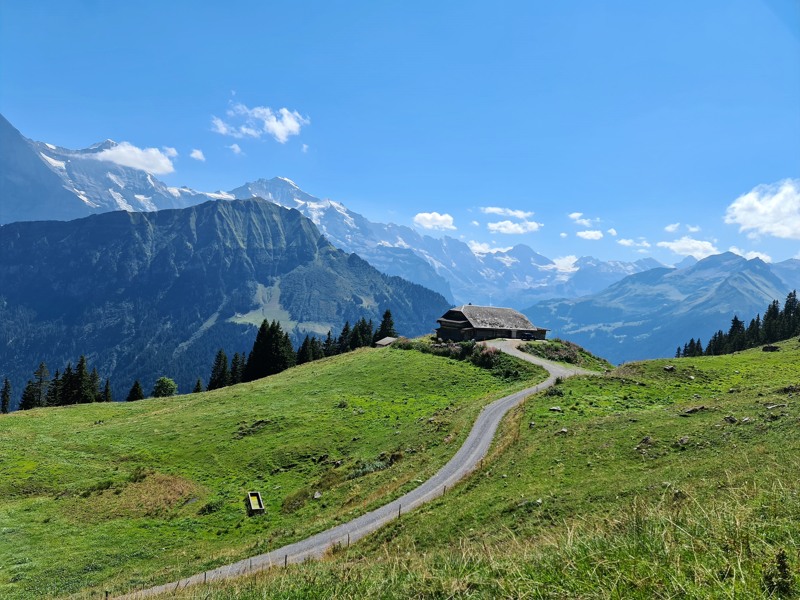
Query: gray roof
{"type": "Point", "coordinates": [492, 317]}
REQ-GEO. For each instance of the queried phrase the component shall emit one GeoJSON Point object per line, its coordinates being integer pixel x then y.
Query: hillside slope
{"type": "Point", "coordinates": [648, 483]}
{"type": "Point", "coordinates": [150, 294]}
{"type": "Point", "coordinates": [148, 491]}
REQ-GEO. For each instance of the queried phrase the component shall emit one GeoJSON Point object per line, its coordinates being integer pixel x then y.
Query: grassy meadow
{"type": "Point", "coordinates": [118, 496]}
{"type": "Point", "coordinates": [641, 483]}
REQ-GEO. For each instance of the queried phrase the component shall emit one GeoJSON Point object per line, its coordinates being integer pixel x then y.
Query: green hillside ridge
{"type": "Point", "coordinates": [679, 483]}
{"type": "Point", "coordinates": [115, 496]}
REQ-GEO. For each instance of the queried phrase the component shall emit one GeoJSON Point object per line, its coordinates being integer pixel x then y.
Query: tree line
{"type": "Point", "coordinates": [776, 324]}
{"type": "Point", "coordinates": [76, 385]}
{"type": "Point", "coordinates": [272, 353]}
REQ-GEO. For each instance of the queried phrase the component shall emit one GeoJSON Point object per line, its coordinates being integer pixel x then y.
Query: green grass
{"type": "Point", "coordinates": [566, 352]}
{"type": "Point", "coordinates": [637, 499]}
{"type": "Point", "coordinates": [112, 497]}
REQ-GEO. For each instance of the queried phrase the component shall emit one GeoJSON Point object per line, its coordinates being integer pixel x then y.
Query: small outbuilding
{"type": "Point", "coordinates": [469, 322]}
{"type": "Point", "coordinates": [387, 341]}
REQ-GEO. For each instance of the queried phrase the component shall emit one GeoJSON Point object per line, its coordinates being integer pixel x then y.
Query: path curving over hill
{"type": "Point", "coordinates": [466, 459]}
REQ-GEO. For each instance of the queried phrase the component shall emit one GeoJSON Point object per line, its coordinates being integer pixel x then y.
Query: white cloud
{"type": "Point", "coordinates": [769, 210]}
{"type": "Point", "coordinates": [590, 234]}
{"type": "Point", "coordinates": [126, 154]}
{"type": "Point", "coordinates": [475, 224]}
{"type": "Point", "coordinates": [576, 216]}
{"type": "Point", "coordinates": [511, 228]}
{"type": "Point", "coordinates": [687, 246]}
{"type": "Point", "coordinates": [171, 152]}
{"type": "Point", "coordinates": [235, 149]}
{"type": "Point", "coordinates": [433, 220]}
{"type": "Point", "coordinates": [258, 121]}
{"type": "Point", "coordinates": [562, 235]}
{"type": "Point", "coordinates": [629, 243]}
{"type": "Point", "coordinates": [482, 248]}
{"type": "Point", "coordinates": [506, 212]}
{"type": "Point", "coordinates": [304, 148]}
{"type": "Point", "coordinates": [693, 228]}
{"type": "Point", "coordinates": [563, 264]}
{"type": "Point", "coordinates": [672, 227]}
{"type": "Point", "coordinates": [751, 255]}
{"type": "Point", "coordinates": [197, 155]}
{"type": "Point", "coordinates": [612, 232]}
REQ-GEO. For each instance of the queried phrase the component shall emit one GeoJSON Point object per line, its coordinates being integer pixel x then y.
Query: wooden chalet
{"type": "Point", "coordinates": [480, 323]}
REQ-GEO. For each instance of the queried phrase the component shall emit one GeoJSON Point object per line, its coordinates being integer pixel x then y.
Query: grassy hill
{"type": "Point", "coordinates": [647, 483]}
{"type": "Point", "coordinates": [111, 497]}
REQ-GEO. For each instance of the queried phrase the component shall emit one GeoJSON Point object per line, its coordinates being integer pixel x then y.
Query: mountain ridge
{"type": "Point", "coordinates": [143, 294]}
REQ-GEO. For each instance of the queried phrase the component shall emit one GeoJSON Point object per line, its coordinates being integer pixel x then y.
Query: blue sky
{"type": "Point", "coordinates": [614, 129]}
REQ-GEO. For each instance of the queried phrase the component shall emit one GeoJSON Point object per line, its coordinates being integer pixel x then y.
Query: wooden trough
{"type": "Point", "coordinates": [255, 505]}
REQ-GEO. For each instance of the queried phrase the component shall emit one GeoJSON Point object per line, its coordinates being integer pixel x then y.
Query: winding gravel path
{"type": "Point", "coordinates": [464, 462]}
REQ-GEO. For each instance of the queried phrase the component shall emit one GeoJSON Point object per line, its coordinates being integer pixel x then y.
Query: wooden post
{"type": "Point", "coordinates": [399, 506]}
{"type": "Point", "coordinates": [348, 540]}
{"type": "Point", "coordinates": [444, 491]}
{"type": "Point", "coordinates": [285, 560]}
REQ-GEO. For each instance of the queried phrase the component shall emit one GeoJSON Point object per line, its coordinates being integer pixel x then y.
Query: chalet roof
{"type": "Point", "coordinates": [492, 317]}
{"type": "Point", "coordinates": [387, 341]}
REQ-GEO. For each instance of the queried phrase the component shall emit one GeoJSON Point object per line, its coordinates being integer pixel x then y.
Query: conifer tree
{"type": "Point", "coordinates": [237, 368]}
{"type": "Point", "coordinates": [305, 353]}
{"type": "Point", "coordinates": [317, 351]}
{"type": "Point", "coordinates": [386, 328]}
{"type": "Point", "coordinates": [198, 386]}
{"type": "Point", "coordinates": [35, 393]}
{"type": "Point", "coordinates": [68, 388]}
{"type": "Point", "coordinates": [5, 396]}
{"type": "Point", "coordinates": [94, 387]}
{"type": "Point", "coordinates": [107, 397]}
{"type": "Point", "coordinates": [343, 341]}
{"type": "Point", "coordinates": [136, 393]}
{"type": "Point", "coordinates": [54, 391]}
{"type": "Point", "coordinates": [220, 375]}
{"type": "Point", "coordinates": [329, 346]}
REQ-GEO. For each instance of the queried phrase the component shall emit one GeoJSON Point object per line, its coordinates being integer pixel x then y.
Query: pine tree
{"type": "Point", "coordinates": [68, 390]}
{"type": "Point", "coordinates": [317, 351]}
{"type": "Point", "coordinates": [304, 352]}
{"type": "Point", "coordinates": [343, 341]}
{"type": "Point", "coordinates": [107, 397]}
{"type": "Point", "coordinates": [35, 393]}
{"type": "Point", "coordinates": [772, 323]}
{"type": "Point", "coordinates": [54, 391]}
{"type": "Point", "coordinates": [220, 375]}
{"type": "Point", "coordinates": [5, 397]}
{"type": "Point", "coordinates": [256, 361]}
{"type": "Point", "coordinates": [237, 368]}
{"type": "Point", "coordinates": [386, 328]}
{"type": "Point", "coordinates": [678, 352]}
{"type": "Point", "coordinates": [736, 335]}
{"type": "Point", "coordinates": [198, 386]}
{"type": "Point", "coordinates": [329, 346]}
{"type": "Point", "coordinates": [790, 317]}
{"type": "Point", "coordinates": [136, 393]}
{"type": "Point", "coordinates": [94, 387]}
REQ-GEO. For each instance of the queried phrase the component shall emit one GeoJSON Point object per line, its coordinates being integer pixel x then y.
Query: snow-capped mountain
{"type": "Point", "coordinates": [41, 181]}
{"type": "Point", "coordinates": [514, 277]}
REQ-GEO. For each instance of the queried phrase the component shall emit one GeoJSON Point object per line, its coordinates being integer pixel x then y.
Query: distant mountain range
{"type": "Point", "coordinates": [649, 314]}
{"type": "Point", "coordinates": [157, 293]}
{"type": "Point", "coordinates": [40, 181]}
{"type": "Point", "coordinates": [620, 310]}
